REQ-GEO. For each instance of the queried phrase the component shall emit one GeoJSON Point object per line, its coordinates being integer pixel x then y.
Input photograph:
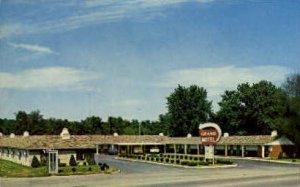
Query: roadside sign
{"type": "Point", "coordinates": [210, 134]}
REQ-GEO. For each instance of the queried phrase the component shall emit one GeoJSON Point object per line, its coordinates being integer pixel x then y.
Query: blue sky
{"type": "Point", "coordinates": [72, 59]}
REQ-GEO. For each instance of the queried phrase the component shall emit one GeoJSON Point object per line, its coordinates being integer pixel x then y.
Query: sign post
{"type": "Point", "coordinates": [210, 134]}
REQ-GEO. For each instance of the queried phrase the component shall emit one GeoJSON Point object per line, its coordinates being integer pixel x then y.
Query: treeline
{"type": "Point", "coordinates": [248, 110]}
{"type": "Point", "coordinates": [34, 123]}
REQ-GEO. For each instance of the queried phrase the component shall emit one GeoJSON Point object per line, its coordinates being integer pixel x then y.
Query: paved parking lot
{"type": "Point", "coordinates": [248, 173]}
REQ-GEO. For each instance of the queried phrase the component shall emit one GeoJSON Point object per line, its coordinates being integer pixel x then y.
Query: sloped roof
{"type": "Point", "coordinates": [246, 140]}
{"type": "Point", "coordinates": [89, 141]}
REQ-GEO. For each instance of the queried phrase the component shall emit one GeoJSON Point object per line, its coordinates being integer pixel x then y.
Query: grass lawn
{"type": "Point", "coordinates": [10, 169]}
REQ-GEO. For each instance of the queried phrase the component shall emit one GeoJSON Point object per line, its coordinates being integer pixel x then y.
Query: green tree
{"type": "Point", "coordinates": [35, 162]}
{"type": "Point", "coordinates": [21, 122]}
{"type": "Point", "coordinates": [291, 124]}
{"type": "Point", "coordinates": [256, 109]}
{"type": "Point", "coordinates": [72, 161]}
{"type": "Point", "coordinates": [187, 108]}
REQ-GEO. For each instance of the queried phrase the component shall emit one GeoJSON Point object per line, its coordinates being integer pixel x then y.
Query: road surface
{"type": "Point", "coordinates": [248, 173]}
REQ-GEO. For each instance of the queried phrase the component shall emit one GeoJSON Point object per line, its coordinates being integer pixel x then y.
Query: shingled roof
{"type": "Point", "coordinates": [89, 141]}
{"type": "Point", "coordinates": [246, 140]}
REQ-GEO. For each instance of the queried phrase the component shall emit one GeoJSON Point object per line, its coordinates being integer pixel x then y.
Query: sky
{"type": "Point", "coordinates": [74, 59]}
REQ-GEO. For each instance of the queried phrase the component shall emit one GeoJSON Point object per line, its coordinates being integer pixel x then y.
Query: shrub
{"type": "Point", "coordinates": [90, 169]}
{"type": "Point", "coordinates": [43, 161]}
{"type": "Point", "coordinates": [35, 162]}
{"type": "Point", "coordinates": [172, 161]}
{"type": "Point", "coordinates": [73, 169]}
{"type": "Point", "coordinates": [191, 158]}
{"type": "Point", "coordinates": [72, 161]}
{"type": "Point", "coordinates": [192, 164]}
{"type": "Point", "coordinates": [62, 165]}
{"type": "Point", "coordinates": [181, 157]}
{"type": "Point", "coordinates": [186, 157]}
{"type": "Point", "coordinates": [202, 163]}
{"type": "Point", "coordinates": [177, 161]}
{"type": "Point", "coordinates": [161, 159]}
{"type": "Point", "coordinates": [167, 159]}
{"type": "Point", "coordinates": [183, 162]}
{"type": "Point", "coordinates": [90, 160]}
{"type": "Point", "coordinates": [196, 158]}
{"type": "Point", "coordinates": [60, 171]}
{"type": "Point", "coordinates": [222, 161]}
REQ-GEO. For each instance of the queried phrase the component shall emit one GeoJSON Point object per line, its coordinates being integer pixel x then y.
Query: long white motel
{"type": "Point", "coordinates": [21, 149]}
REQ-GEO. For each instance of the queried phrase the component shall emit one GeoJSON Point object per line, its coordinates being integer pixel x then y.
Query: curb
{"type": "Point", "coordinates": [177, 165]}
{"type": "Point", "coordinates": [261, 160]}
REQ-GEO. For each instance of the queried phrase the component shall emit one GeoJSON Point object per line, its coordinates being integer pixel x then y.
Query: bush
{"type": "Point", "coordinates": [171, 161]}
{"type": "Point", "coordinates": [35, 162]}
{"type": "Point", "coordinates": [222, 161]}
{"type": "Point", "coordinates": [186, 157]}
{"type": "Point", "coordinates": [90, 169]}
{"type": "Point", "coordinates": [104, 167]}
{"type": "Point", "coordinates": [203, 163]}
{"type": "Point", "coordinates": [183, 162]}
{"type": "Point", "coordinates": [62, 165]}
{"type": "Point", "coordinates": [161, 159]}
{"type": "Point", "coordinates": [73, 169]}
{"type": "Point", "coordinates": [177, 161]}
{"type": "Point", "coordinates": [167, 159]}
{"type": "Point", "coordinates": [72, 161]}
{"type": "Point", "coordinates": [192, 164]}
{"type": "Point", "coordinates": [90, 160]}
{"type": "Point", "coordinates": [181, 157]}
{"type": "Point", "coordinates": [44, 161]}
{"type": "Point", "coordinates": [196, 158]}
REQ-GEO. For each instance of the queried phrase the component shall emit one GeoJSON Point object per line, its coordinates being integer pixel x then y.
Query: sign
{"type": "Point", "coordinates": [209, 152]}
{"type": "Point", "coordinates": [208, 136]}
{"type": "Point", "coordinates": [210, 133]}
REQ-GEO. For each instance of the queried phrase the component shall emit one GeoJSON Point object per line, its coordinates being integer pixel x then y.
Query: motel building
{"type": "Point", "coordinates": [22, 149]}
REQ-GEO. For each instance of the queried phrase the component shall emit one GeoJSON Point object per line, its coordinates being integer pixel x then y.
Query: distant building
{"type": "Point", "coordinates": [21, 149]}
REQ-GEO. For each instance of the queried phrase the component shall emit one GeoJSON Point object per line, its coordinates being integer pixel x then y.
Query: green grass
{"type": "Point", "coordinates": [84, 170]}
{"type": "Point", "coordinates": [11, 169]}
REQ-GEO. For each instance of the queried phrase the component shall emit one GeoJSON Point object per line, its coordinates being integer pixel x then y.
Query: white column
{"type": "Point", "coordinates": [97, 149]}
{"type": "Point", "coordinates": [165, 149]}
{"type": "Point", "coordinates": [175, 148]}
{"type": "Point", "coordinates": [243, 151]}
{"type": "Point", "coordinates": [198, 151]}
{"type": "Point", "coordinates": [226, 150]}
{"type": "Point", "coordinates": [185, 149]}
{"type": "Point", "coordinates": [262, 151]}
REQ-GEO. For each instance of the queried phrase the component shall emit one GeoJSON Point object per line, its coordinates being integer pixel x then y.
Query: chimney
{"type": "Point", "coordinates": [274, 133]}
{"type": "Point", "coordinates": [116, 134]}
{"type": "Point", "coordinates": [161, 134]}
{"type": "Point", "coordinates": [226, 134]}
{"type": "Point", "coordinates": [65, 135]}
{"type": "Point", "coordinates": [189, 135]}
{"type": "Point", "coordinates": [12, 135]}
{"type": "Point", "coordinates": [25, 134]}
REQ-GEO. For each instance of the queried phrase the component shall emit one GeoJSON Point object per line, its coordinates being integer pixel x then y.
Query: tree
{"type": "Point", "coordinates": [35, 162]}
{"type": "Point", "coordinates": [72, 161]}
{"type": "Point", "coordinates": [291, 124]}
{"type": "Point", "coordinates": [187, 108]}
{"type": "Point", "coordinates": [256, 109]}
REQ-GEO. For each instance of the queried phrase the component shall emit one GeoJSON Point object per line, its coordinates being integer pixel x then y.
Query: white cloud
{"type": "Point", "coordinates": [91, 13]}
{"type": "Point", "coordinates": [32, 48]}
{"type": "Point", "coordinates": [59, 78]}
{"type": "Point", "coordinates": [129, 102]}
{"type": "Point", "coordinates": [217, 80]}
